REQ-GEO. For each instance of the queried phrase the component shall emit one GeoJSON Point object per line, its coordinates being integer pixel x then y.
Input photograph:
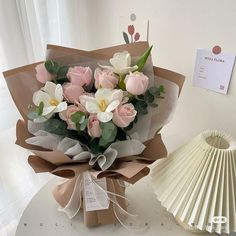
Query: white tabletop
{"type": "Point", "coordinates": [42, 218]}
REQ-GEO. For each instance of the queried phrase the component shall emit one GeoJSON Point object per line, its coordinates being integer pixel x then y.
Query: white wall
{"type": "Point", "coordinates": [177, 29]}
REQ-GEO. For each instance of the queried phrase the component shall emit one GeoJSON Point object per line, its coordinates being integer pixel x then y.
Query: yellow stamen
{"type": "Point", "coordinates": [102, 105]}
{"type": "Point", "coordinates": [53, 102]}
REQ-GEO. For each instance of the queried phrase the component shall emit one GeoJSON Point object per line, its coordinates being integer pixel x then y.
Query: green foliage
{"type": "Point", "coordinates": [121, 134]}
{"type": "Point", "coordinates": [37, 113]}
{"type": "Point", "coordinates": [157, 91]}
{"type": "Point", "coordinates": [55, 126]}
{"type": "Point", "coordinates": [39, 109]}
{"type": "Point", "coordinates": [77, 117]}
{"type": "Point", "coordinates": [148, 97]}
{"type": "Point", "coordinates": [62, 71]}
{"type": "Point", "coordinates": [141, 107]}
{"type": "Point", "coordinates": [129, 127]}
{"type": "Point", "coordinates": [51, 66]}
{"type": "Point", "coordinates": [95, 147]}
{"type": "Point", "coordinates": [80, 120]}
{"type": "Point", "coordinates": [80, 136]}
{"type": "Point", "coordinates": [32, 115]}
{"type": "Point", "coordinates": [142, 60]}
{"type": "Point", "coordinates": [109, 132]}
{"type": "Point", "coordinates": [153, 105]}
{"type": "Point", "coordinates": [143, 101]}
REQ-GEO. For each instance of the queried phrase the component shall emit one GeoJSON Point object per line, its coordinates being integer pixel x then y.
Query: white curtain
{"type": "Point", "coordinates": [26, 26]}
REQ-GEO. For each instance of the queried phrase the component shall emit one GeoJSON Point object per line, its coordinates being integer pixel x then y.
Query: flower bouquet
{"type": "Point", "coordinates": [93, 118]}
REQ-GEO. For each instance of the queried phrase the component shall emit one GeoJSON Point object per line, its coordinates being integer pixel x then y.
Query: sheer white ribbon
{"type": "Point", "coordinates": [129, 221]}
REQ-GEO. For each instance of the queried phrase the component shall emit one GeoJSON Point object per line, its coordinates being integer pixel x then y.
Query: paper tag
{"type": "Point", "coordinates": [213, 71]}
{"type": "Point", "coordinates": [95, 198]}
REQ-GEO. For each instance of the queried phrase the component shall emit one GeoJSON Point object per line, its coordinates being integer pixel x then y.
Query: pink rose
{"type": "Point", "coordinates": [124, 115]}
{"type": "Point", "coordinates": [66, 116]}
{"type": "Point", "coordinates": [94, 129]}
{"type": "Point", "coordinates": [105, 79]}
{"type": "Point", "coordinates": [136, 83]}
{"type": "Point", "coordinates": [72, 92]}
{"type": "Point", "coordinates": [79, 75]}
{"type": "Point", "coordinates": [42, 74]}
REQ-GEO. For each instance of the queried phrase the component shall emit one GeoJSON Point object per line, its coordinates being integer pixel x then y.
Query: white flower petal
{"type": "Point", "coordinates": [112, 106]}
{"type": "Point", "coordinates": [61, 107]}
{"type": "Point", "coordinates": [107, 67]}
{"type": "Point", "coordinates": [92, 107]}
{"type": "Point", "coordinates": [104, 116]}
{"type": "Point", "coordinates": [58, 94]}
{"type": "Point", "coordinates": [50, 88]}
{"type": "Point", "coordinates": [118, 94]}
{"type": "Point", "coordinates": [85, 98]}
{"type": "Point", "coordinates": [104, 94]}
{"type": "Point", "coordinates": [128, 59]}
{"type": "Point", "coordinates": [41, 96]}
{"type": "Point", "coordinates": [47, 110]}
{"type": "Point", "coordinates": [126, 70]}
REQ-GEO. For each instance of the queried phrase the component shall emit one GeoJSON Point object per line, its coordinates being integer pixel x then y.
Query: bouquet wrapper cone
{"type": "Point", "coordinates": [22, 84]}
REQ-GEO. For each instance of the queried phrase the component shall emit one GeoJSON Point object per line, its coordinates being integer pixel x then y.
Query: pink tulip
{"type": "Point", "coordinates": [136, 83]}
{"type": "Point", "coordinates": [105, 79]}
{"type": "Point", "coordinates": [136, 37]}
{"type": "Point", "coordinates": [94, 129]}
{"type": "Point", "coordinates": [79, 75]}
{"type": "Point", "coordinates": [124, 115]}
{"type": "Point", "coordinates": [42, 74]}
{"type": "Point", "coordinates": [72, 92]}
{"type": "Point", "coordinates": [131, 29]}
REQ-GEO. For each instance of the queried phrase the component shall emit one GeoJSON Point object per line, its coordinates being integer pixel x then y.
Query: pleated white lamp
{"type": "Point", "coordinates": [197, 183]}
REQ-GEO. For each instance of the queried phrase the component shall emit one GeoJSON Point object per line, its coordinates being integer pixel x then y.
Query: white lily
{"type": "Point", "coordinates": [103, 103]}
{"type": "Point", "coordinates": [52, 97]}
{"type": "Point", "coordinates": [121, 63]}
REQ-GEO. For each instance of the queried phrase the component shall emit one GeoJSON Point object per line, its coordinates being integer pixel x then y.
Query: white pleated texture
{"type": "Point", "coordinates": [197, 182]}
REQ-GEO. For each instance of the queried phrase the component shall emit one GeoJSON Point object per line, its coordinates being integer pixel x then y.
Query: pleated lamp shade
{"type": "Point", "coordinates": [197, 183]}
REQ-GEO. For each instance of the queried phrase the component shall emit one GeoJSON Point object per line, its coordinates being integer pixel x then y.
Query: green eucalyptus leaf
{"type": "Point", "coordinates": [162, 89]}
{"type": "Point", "coordinates": [83, 125]}
{"type": "Point", "coordinates": [153, 105]}
{"type": "Point", "coordinates": [51, 66]}
{"type": "Point", "coordinates": [141, 97]}
{"type": "Point", "coordinates": [39, 109]}
{"type": "Point", "coordinates": [62, 80]}
{"type": "Point", "coordinates": [148, 97]}
{"type": "Point", "coordinates": [104, 143]}
{"type": "Point", "coordinates": [77, 116]}
{"type": "Point", "coordinates": [82, 119]}
{"type": "Point", "coordinates": [142, 60]}
{"type": "Point", "coordinates": [95, 147]}
{"type": "Point", "coordinates": [62, 71]}
{"type": "Point", "coordinates": [109, 131]}
{"type": "Point", "coordinates": [141, 107]}
{"type": "Point", "coordinates": [55, 126]}
{"type": "Point", "coordinates": [155, 91]}
{"type": "Point", "coordinates": [33, 115]}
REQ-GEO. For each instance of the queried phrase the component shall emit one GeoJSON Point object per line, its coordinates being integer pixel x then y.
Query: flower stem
{"type": "Point", "coordinates": [121, 83]}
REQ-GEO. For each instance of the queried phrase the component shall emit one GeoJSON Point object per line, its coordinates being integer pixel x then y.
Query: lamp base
{"type": "Point", "coordinates": [189, 228]}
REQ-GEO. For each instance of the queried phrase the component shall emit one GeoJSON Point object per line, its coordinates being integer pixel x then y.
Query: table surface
{"type": "Point", "coordinates": [42, 218]}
